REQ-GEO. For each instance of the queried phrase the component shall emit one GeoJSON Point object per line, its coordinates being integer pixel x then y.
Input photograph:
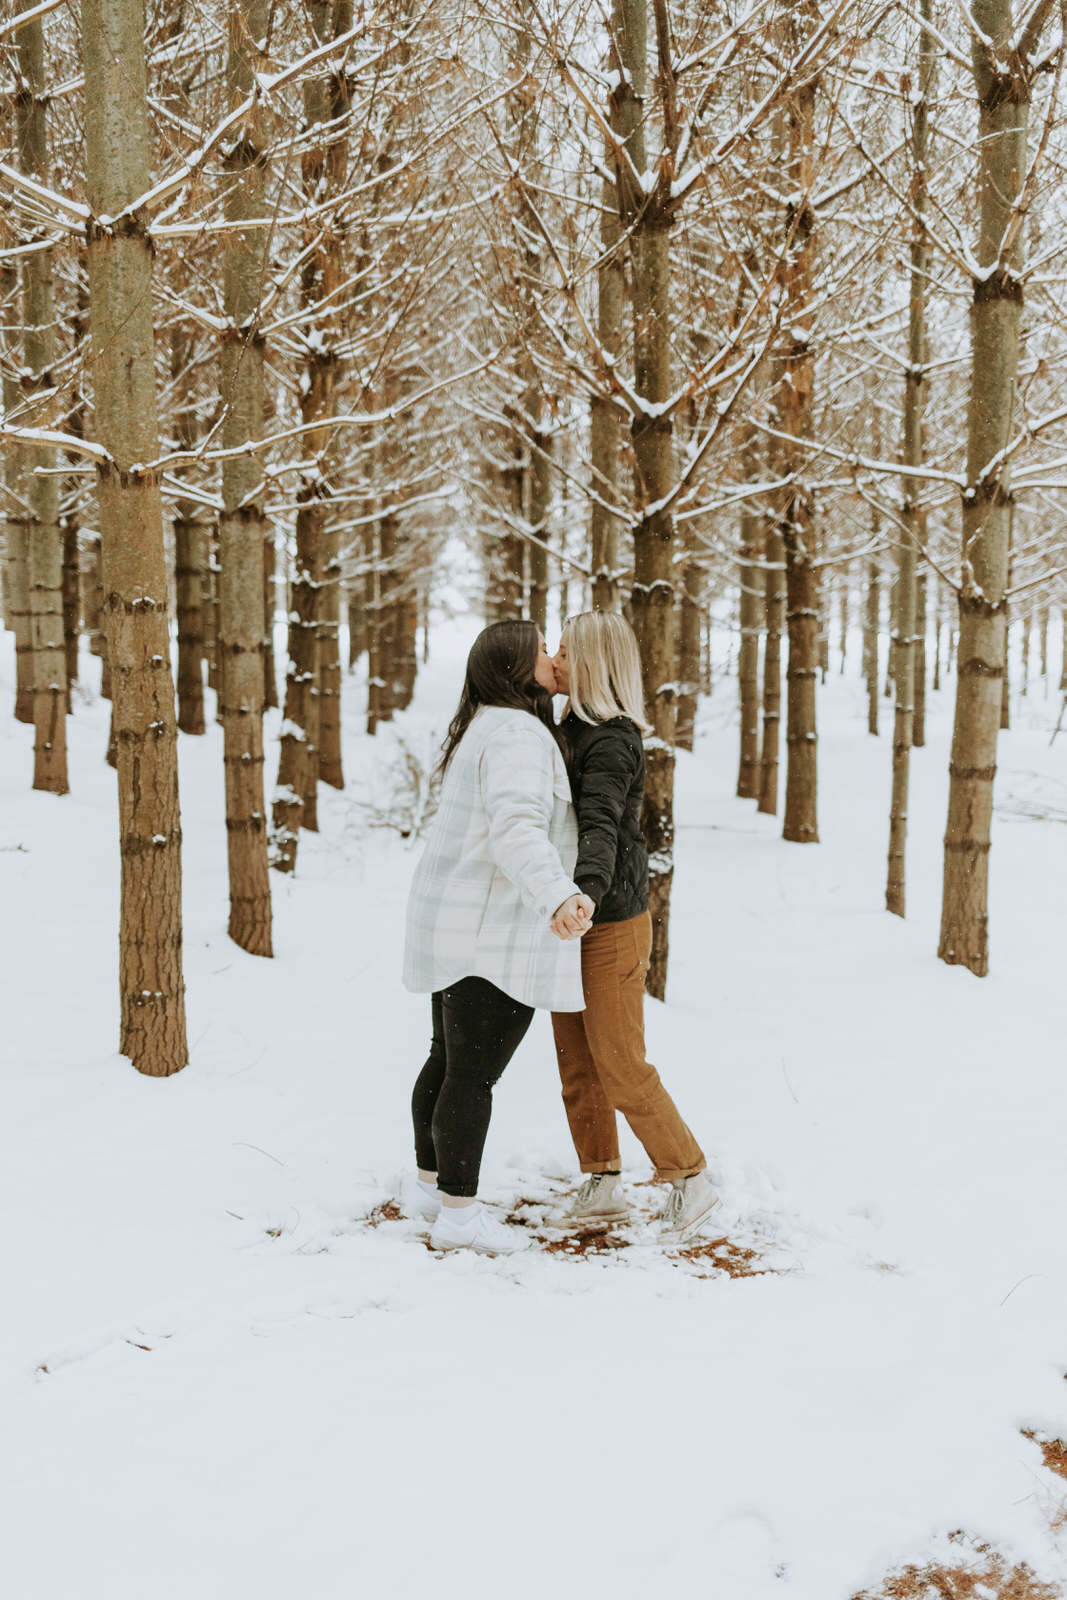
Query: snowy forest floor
{"type": "Point", "coordinates": [230, 1371]}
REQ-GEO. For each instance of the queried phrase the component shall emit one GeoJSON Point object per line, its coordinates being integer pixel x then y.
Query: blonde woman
{"type": "Point", "coordinates": [601, 1050]}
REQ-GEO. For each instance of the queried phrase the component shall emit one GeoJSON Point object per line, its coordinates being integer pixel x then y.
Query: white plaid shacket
{"type": "Point", "coordinates": [495, 869]}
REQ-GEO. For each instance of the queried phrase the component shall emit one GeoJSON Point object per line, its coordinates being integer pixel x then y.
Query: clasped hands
{"type": "Point", "coordinates": [574, 917]}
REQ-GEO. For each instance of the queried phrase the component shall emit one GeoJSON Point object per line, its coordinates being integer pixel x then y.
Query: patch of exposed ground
{"type": "Point", "coordinates": [1053, 1451]}
{"type": "Point", "coordinates": [981, 1573]}
{"type": "Point", "coordinates": [388, 1211]}
{"type": "Point", "coordinates": [723, 1255]}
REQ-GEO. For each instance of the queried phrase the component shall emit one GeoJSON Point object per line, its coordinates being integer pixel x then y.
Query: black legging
{"type": "Point", "coordinates": [476, 1031]}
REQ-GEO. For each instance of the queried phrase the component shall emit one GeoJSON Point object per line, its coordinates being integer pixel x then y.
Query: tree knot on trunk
{"type": "Point", "coordinates": [977, 668]}
{"type": "Point", "coordinates": [1001, 285]}
{"type": "Point", "coordinates": [131, 225]}
{"type": "Point", "coordinates": [800, 219]}
{"type": "Point", "coordinates": [245, 154]}
{"type": "Point", "coordinates": [1005, 89]}
{"type": "Point", "coordinates": [126, 478]}
{"type": "Point", "coordinates": [249, 515]}
{"type": "Point", "coordinates": [972, 774]}
{"type": "Point", "coordinates": [655, 425]}
{"type": "Point", "coordinates": [242, 336]}
{"type": "Point", "coordinates": [977, 605]}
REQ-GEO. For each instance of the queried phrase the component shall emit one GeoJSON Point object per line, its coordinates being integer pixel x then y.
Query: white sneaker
{"type": "Point", "coordinates": [690, 1201]}
{"type": "Point", "coordinates": [472, 1228]}
{"type": "Point", "coordinates": [418, 1199]}
{"type": "Point", "coordinates": [599, 1202]}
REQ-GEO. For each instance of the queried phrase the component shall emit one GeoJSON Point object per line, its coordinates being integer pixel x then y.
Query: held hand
{"type": "Point", "coordinates": [574, 917]}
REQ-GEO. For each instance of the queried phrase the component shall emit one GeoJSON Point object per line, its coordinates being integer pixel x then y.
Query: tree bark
{"type": "Point", "coordinates": [329, 663]}
{"type": "Point", "coordinates": [748, 658]}
{"type": "Point", "coordinates": [774, 612]}
{"type": "Point", "coordinates": [241, 526]}
{"type": "Point", "coordinates": [872, 618]}
{"type": "Point", "coordinates": [131, 522]}
{"type": "Point", "coordinates": [189, 561]}
{"type": "Point", "coordinates": [794, 401]}
{"type": "Point", "coordinates": [918, 724]}
{"type": "Point", "coordinates": [270, 669]}
{"type": "Point", "coordinates": [189, 579]}
{"type": "Point", "coordinates": [44, 550]}
{"type": "Point", "coordinates": [624, 114]}
{"type": "Point", "coordinates": [911, 514]}
{"type": "Point", "coordinates": [1003, 106]}
{"type": "Point", "coordinates": [689, 631]}
{"type": "Point", "coordinates": [71, 598]}
{"type": "Point", "coordinates": [298, 763]}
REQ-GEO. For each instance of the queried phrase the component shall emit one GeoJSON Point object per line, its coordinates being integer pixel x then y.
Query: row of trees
{"type": "Point", "coordinates": [648, 306]}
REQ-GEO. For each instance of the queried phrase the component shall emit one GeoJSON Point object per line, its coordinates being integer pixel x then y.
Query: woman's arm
{"type": "Point", "coordinates": [608, 769]}
{"type": "Point", "coordinates": [517, 792]}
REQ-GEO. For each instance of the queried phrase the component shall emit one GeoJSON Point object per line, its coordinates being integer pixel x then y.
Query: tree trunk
{"type": "Point", "coordinates": [16, 538]}
{"type": "Point", "coordinates": [209, 607]}
{"type": "Point", "coordinates": [71, 598]}
{"type": "Point", "coordinates": [357, 615]}
{"type": "Point", "coordinates": [298, 763]}
{"type": "Point", "coordinates": [911, 514]}
{"type": "Point", "coordinates": [189, 579]}
{"type": "Point", "coordinates": [540, 507]}
{"type": "Point", "coordinates": [1003, 100]}
{"type": "Point", "coordinates": [844, 620]}
{"type": "Point", "coordinates": [872, 618]}
{"type": "Point", "coordinates": [653, 590]}
{"type": "Point", "coordinates": [44, 549]}
{"type": "Point", "coordinates": [1042, 639]}
{"type": "Point", "coordinates": [774, 612]}
{"type": "Point", "coordinates": [748, 659]}
{"type": "Point", "coordinates": [329, 663]}
{"type": "Point", "coordinates": [189, 559]}
{"type": "Point", "coordinates": [624, 114]}
{"type": "Point", "coordinates": [241, 526]}
{"type": "Point", "coordinates": [689, 630]}
{"type": "Point", "coordinates": [131, 522]}
{"type": "Point", "coordinates": [270, 669]}
{"type": "Point", "coordinates": [918, 723]}
{"type": "Point", "coordinates": [795, 395]}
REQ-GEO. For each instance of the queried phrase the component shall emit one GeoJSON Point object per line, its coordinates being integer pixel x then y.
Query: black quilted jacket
{"type": "Point", "coordinates": [607, 772]}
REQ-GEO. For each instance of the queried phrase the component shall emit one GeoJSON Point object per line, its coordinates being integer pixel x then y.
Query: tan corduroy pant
{"type": "Point", "coordinates": [601, 1053]}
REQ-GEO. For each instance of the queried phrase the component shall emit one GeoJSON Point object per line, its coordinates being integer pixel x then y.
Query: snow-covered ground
{"type": "Point", "coordinates": [226, 1376]}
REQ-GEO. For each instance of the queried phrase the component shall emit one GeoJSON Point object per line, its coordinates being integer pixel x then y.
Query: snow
{"type": "Point", "coordinates": [220, 1379]}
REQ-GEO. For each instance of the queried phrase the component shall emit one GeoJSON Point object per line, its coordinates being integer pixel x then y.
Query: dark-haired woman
{"type": "Point", "coordinates": [493, 922]}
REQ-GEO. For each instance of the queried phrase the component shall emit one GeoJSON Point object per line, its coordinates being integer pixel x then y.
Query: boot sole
{"type": "Point", "coordinates": [476, 1249]}
{"type": "Point", "coordinates": [676, 1236]}
{"type": "Point", "coordinates": [575, 1224]}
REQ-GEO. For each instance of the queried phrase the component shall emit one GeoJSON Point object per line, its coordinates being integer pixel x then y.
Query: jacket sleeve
{"type": "Point", "coordinates": [608, 770]}
{"type": "Point", "coordinates": [517, 792]}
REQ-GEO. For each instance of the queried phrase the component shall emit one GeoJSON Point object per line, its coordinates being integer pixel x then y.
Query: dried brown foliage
{"type": "Point", "coordinates": [981, 1574]}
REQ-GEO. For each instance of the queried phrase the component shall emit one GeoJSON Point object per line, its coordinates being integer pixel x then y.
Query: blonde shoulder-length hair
{"type": "Point", "coordinates": [604, 669]}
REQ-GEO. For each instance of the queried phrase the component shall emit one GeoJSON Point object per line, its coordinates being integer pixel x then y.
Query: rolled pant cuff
{"type": "Point", "coordinates": [600, 1166]}
{"type": "Point", "coordinates": [458, 1191]}
{"type": "Point", "coordinates": [670, 1175]}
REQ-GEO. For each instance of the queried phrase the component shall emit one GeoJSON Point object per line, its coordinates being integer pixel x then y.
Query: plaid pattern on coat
{"type": "Point", "coordinates": [495, 869]}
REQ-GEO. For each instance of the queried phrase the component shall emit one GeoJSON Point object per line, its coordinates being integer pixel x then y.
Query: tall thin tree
{"type": "Point", "coordinates": [117, 149]}
{"type": "Point", "coordinates": [44, 549]}
{"type": "Point", "coordinates": [1003, 74]}
{"type": "Point", "coordinates": [241, 526]}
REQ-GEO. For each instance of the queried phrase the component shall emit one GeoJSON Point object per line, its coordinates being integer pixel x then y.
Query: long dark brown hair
{"type": "Point", "coordinates": [500, 672]}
